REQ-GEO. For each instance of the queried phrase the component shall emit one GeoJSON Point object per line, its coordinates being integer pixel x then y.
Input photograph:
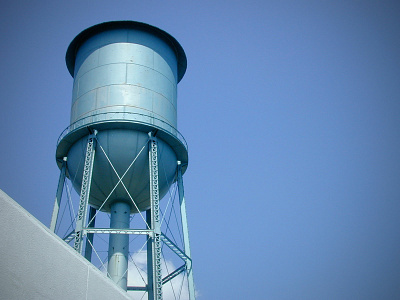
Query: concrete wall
{"type": "Point", "coordinates": [37, 264]}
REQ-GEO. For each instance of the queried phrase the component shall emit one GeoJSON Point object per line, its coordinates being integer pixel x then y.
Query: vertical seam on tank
{"type": "Point", "coordinates": [132, 170]}
{"type": "Point", "coordinates": [126, 65]}
{"type": "Point", "coordinates": [152, 52]}
{"type": "Point", "coordinates": [77, 91]}
{"type": "Point", "coordinates": [152, 94]}
{"type": "Point", "coordinates": [96, 101]}
{"type": "Point", "coordinates": [126, 73]}
{"type": "Point", "coordinates": [110, 169]}
{"type": "Point", "coordinates": [98, 57]}
{"type": "Point", "coordinates": [151, 114]}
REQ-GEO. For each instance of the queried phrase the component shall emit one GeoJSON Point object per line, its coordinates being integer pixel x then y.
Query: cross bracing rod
{"type": "Point", "coordinates": [117, 231]}
{"type": "Point", "coordinates": [174, 274]}
{"type": "Point", "coordinates": [69, 237]}
{"type": "Point", "coordinates": [137, 288]}
{"type": "Point", "coordinates": [166, 279]}
{"type": "Point", "coordinates": [85, 191]}
{"type": "Point", "coordinates": [120, 179]}
{"type": "Point", "coordinates": [175, 248]}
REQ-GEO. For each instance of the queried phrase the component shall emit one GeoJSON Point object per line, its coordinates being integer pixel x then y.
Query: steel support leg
{"type": "Point", "coordinates": [155, 220]}
{"type": "Point", "coordinates": [85, 191]}
{"type": "Point", "coordinates": [150, 287]}
{"type": "Point", "coordinates": [185, 233]}
{"type": "Point", "coordinates": [60, 188]}
{"type": "Point", "coordinates": [89, 240]}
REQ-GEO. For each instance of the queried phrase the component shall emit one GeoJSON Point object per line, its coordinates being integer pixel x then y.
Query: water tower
{"type": "Point", "coordinates": [122, 132]}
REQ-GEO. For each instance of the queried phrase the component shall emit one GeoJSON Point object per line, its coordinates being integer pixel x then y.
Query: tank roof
{"type": "Point", "coordinates": [91, 31]}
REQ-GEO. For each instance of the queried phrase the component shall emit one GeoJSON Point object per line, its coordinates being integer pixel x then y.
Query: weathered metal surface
{"type": "Point", "coordinates": [125, 81]}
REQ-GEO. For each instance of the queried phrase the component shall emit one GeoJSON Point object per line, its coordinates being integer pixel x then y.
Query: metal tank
{"type": "Point", "coordinates": [122, 150]}
{"type": "Point", "coordinates": [125, 86]}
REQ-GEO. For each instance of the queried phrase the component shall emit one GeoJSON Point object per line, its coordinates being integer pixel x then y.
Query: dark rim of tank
{"type": "Point", "coordinates": [91, 31]}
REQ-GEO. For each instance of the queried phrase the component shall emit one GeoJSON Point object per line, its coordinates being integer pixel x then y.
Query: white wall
{"type": "Point", "coordinates": [37, 264]}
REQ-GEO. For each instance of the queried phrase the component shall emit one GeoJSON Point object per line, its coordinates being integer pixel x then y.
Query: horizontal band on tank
{"type": "Point", "coordinates": [91, 31]}
{"type": "Point", "coordinates": [85, 126]}
{"type": "Point", "coordinates": [123, 116]}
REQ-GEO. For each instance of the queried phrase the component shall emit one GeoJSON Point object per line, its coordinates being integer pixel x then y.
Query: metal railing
{"type": "Point", "coordinates": [123, 117]}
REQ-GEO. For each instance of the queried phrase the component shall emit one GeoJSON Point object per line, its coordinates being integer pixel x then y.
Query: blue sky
{"type": "Point", "coordinates": [291, 113]}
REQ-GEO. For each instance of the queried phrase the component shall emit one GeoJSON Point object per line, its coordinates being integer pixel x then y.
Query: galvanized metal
{"type": "Point", "coordinates": [89, 236]}
{"type": "Point", "coordinates": [155, 221]}
{"type": "Point", "coordinates": [125, 81]}
{"type": "Point", "coordinates": [117, 231]}
{"type": "Point", "coordinates": [138, 288]}
{"type": "Point", "coordinates": [185, 230]}
{"type": "Point", "coordinates": [85, 191]}
{"type": "Point", "coordinates": [125, 90]}
{"type": "Point", "coordinates": [118, 247]}
{"type": "Point", "coordinates": [175, 273]}
{"type": "Point", "coordinates": [57, 201]}
{"type": "Point", "coordinates": [149, 254]}
{"type": "Point", "coordinates": [125, 76]}
{"type": "Point", "coordinates": [175, 248]}
{"type": "Point", "coordinates": [70, 236]}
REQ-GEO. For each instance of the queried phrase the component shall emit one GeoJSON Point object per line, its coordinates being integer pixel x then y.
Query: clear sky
{"type": "Point", "coordinates": [291, 113]}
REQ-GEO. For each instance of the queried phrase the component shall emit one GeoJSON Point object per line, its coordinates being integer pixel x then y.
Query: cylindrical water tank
{"type": "Point", "coordinates": [125, 85]}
